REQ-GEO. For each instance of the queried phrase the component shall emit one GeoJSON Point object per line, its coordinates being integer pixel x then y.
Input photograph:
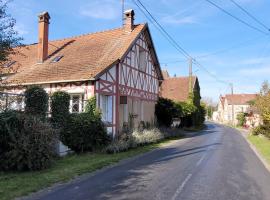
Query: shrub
{"type": "Point", "coordinates": [147, 136]}
{"type": "Point", "coordinates": [91, 105]}
{"type": "Point", "coordinates": [117, 146]}
{"type": "Point", "coordinates": [60, 107]}
{"type": "Point", "coordinates": [164, 111]}
{"type": "Point", "coordinates": [241, 119]}
{"type": "Point", "coordinates": [128, 141]}
{"type": "Point", "coordinates": [262, 130]}
{"type": "Point", "coordinates": [26, 142]}
{"type": "Point", "coordinates": [36, 101]}
{"type": "Point", "coordinates": [84, 132]}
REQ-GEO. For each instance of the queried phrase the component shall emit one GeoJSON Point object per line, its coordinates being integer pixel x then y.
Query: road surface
{"type": "Point", "coordinates": [216, 164]}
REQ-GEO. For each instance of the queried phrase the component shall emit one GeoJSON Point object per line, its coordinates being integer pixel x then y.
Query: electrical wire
{"type": "Point", "coordinates": [250, 15]}
{"type": "Point", "coordinates": [236, 18]}
{"type": "Point", "coordinates": [173, 41]}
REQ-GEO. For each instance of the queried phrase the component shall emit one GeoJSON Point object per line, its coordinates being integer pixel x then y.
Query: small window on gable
{"type": "Point", "coordinates": [57, 58]}
{"type": "Point", "coordinates": [9, 64]}
{"type": "Point", "coordinates": [142, 59]}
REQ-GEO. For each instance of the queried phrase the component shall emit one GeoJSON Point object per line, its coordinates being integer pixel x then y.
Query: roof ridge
{"type": "Point", "coordinates": [82, 35]}
{"type": "Point", "coordinates": [91, 33]}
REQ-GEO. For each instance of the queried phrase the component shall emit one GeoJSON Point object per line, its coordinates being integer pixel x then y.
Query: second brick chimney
{"type": "Point", "coordinates": [43, 36]}
{"type": "Point", "coordinates": [129, 20]}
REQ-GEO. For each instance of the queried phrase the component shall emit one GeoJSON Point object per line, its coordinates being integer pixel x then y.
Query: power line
{"type": "Point", "coordinates": [168, 36]}
{"type": "Point", "coordinates": [250, 15]}
{"type": "Point", "coordinates": [236, 18]}
{"type": "Point", "coordinates": [238, 45]}
{"type": "Point", "coordinates": [172, 41]}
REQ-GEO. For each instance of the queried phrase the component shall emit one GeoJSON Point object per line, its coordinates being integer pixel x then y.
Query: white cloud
{"type": "Point", "coordinates": [101, 9]}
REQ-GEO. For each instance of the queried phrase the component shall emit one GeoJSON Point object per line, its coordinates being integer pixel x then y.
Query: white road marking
{"type": "Point", "coordinates": [200, 161]}
{"type": "Point", "coordinates": [181, 187]}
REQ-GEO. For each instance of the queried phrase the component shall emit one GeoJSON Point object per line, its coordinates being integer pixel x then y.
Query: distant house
{"type": "Point", "coordinates": [179, 89]}
{"type": "Point", "coordinates": [230, 106]}
{"type": "Point", "coordinates": [119, 66]}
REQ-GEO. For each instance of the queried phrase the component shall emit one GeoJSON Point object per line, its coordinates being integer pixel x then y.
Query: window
{"type": "Point", "coordinates": [142, 59]}
{"type": "Point", "coordinates": [106, 108]}
{"type": "Point", "coordinates": [57, 58]}
{"type": "Point", "coordinates": [76, 103]}
{"type": "Point", "coordinates": [7, 65]}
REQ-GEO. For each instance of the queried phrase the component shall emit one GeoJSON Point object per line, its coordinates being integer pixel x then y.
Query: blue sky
{"type": "Point", "coordinates": [227, 48]}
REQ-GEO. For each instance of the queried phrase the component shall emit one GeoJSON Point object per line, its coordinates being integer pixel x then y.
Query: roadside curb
{"type": "Point", "coordinates": [253, 147]}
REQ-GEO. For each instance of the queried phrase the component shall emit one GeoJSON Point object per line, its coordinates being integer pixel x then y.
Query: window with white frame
{"type": "Point", "coordinates": [76, 103]}
{"type": "Point", "coordinates": [106, 108]}
{"type": "Point", "coordinates": [142, 59]}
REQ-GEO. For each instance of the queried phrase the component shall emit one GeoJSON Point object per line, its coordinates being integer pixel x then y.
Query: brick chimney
{"type": "Point", "coordinates": [43, 36]}
{"type": "Point", "coordinates": [129, 20]}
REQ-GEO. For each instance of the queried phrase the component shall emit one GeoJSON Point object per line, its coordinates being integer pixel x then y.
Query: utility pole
{"type": "Point", "coordinates": [232, 104]}
{"type": "Point", "coordinates": [190, 75]}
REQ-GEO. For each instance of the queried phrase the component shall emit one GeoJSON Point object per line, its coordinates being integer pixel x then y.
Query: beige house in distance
{"type": "Point", "coordinates": [230, 106]}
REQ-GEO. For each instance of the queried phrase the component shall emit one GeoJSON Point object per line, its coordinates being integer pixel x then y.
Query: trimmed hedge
{"type": "Point", "coordinates": [36, 101]}
{"type": "Point", "coordinates": [60, 107]}
{"type": "Point", "coordinates": [84, 132]}
{"type": "Point", "coordinates": [26, 142]}
{"type": "Point", "coordinates": [164, 111]}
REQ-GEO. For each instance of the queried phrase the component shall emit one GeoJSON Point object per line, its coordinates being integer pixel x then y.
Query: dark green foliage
{"type": "Point", "coordinates": [263, 129]}
{"type": "Point", "coordinates": [36, 101]}
{"type": "Point", "coordinates": [60, 108]}
{"type": "Point", "coordinates": [241, 118]}
{"type": "Point", "coordinates": [164, 111]}
{"type": "Point", "coordinates": [91, 105]}
{"type": "Point", "coordinates": [8, 34]}
{"type": "Point", "coordinates": [26, 142]}
{"type": "Point", "coordinates": [84, 132]}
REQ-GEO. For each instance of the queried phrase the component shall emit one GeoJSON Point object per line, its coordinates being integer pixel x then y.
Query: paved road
{"type": "Point", "coordinates": [217, 164]}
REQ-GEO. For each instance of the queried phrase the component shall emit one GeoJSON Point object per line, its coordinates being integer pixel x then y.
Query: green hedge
{"type": "Point", "coordinates": [26, 142]}
{"type": "Point", "coordinates": [60, 108]}
{"type": "Point", "coordinates": [36, 101]}
{"type": "Point", "coordinates": [164, 111]}
{"type": "Point", "coordinates": [84, 132]}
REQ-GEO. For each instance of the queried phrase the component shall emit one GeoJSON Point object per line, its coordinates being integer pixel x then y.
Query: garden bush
{"type": "Point", "coordinates": [26, 142]}
{"type": "Point", "coordinates": [137, 138]}
{"type": "Point", "coordinates": [164, 111]}
{"type": "Point", "coordinates": [84, 132]}
{"type": "Point", "coordinates": [262, 130]}
{"type": "Point", "coordinates": [91, 105]}
{"type": "Point", "coordinates": [241, 118]}
{"type": "Point", "coordinates": [147, 136]}
{"type": "Point", "coordinates": [118, 146]}
{"type": "Point", "coordinates": [36, 101]}
{"type": "Point", "coordinates": [60, 108]}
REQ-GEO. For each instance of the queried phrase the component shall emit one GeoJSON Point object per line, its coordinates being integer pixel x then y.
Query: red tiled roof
{"type": "Point", "coordinates": [84, 57]}
{"type": "Point", "coordinates": [177, 88]}
{"type": "Point", "coordinates": [240, 99]}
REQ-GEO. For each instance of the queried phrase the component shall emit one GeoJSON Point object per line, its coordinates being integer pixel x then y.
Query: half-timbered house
{"type": "Point", "coordinates": [119, 66]}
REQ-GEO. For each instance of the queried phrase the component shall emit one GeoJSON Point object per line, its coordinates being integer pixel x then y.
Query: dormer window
{"type": "Point", "coordinates": [57, 58]}
{"type": "Point", "coordinates": [142, 60]}
{"type": "Point", "coordinates": [9, 64]}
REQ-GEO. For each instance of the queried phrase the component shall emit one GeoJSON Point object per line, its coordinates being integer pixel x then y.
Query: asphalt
{"type": "Point", "coordinates": [215, 164]}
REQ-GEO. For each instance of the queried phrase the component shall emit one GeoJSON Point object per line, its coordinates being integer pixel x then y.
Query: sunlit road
{"type": "Point", "coordinates": [216, 164]}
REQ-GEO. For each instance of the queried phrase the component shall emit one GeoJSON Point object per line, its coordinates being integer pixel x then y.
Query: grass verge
{"type": "Point", "coordinates": [262, 144]}
{"type": "Point", "coordinates": [16, 184]}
